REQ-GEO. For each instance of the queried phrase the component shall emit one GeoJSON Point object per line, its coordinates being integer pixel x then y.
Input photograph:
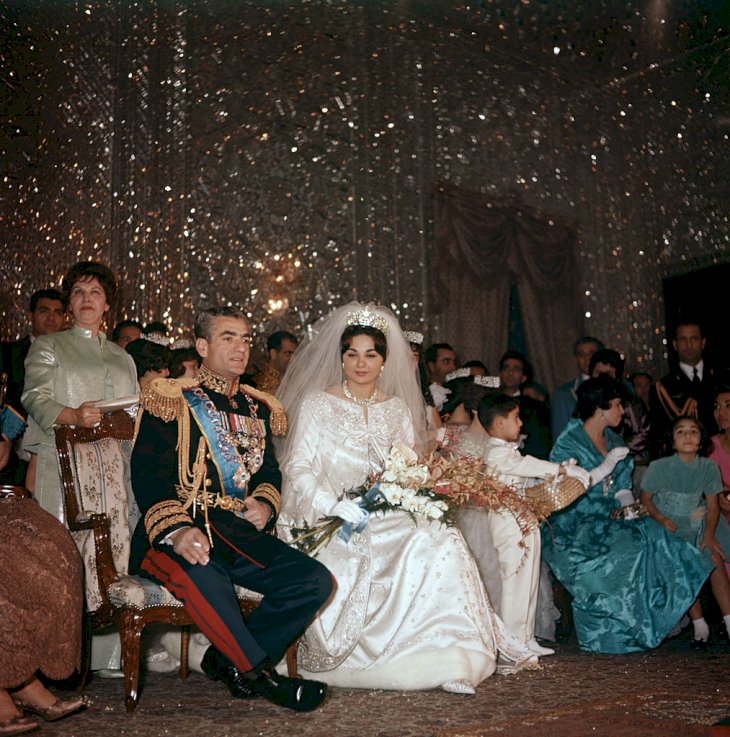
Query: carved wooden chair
{"type": "Point", "coordinates": [94, 464]}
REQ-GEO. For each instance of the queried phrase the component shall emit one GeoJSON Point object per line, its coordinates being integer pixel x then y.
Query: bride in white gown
{"type": "Point", "coordinates": [409, 611]}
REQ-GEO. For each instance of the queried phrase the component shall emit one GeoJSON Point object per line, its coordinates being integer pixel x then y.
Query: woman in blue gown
{"type": "Point", "coordinates": [630, 580]}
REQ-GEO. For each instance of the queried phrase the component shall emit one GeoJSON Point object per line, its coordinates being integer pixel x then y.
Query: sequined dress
{"type": "Point", "coordinates": [410, 610]}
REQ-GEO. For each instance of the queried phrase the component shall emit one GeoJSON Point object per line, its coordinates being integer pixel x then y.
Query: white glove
{"type": "Point", "coordinates": [625, 497]}
{"type": "Point", "coordinates": [349, 511]}
{"type": "Point", "coordinates": [576, 472]}
{"type": "Point", "coordinates": [604, 469]}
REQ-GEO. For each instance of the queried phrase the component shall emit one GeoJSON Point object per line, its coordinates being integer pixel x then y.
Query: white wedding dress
{"type": "Point", "coordinates": [409, 611]}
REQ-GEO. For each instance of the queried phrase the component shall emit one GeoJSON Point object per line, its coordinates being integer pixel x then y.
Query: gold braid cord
{"type": "Point", "coordinates": [689, 409]}
{"type": "Point", "coordinates": [278, 415]}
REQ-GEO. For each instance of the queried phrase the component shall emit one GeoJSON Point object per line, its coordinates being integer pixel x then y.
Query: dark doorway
{"type": "Point", "coordinates": [701, 295]}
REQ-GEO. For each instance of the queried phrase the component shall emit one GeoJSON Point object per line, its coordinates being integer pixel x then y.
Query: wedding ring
{"type": "Point", "coordinates": [197, 545]}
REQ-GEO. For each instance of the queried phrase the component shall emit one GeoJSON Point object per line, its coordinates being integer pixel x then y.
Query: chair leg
{"type": "Point", "coordinates": [291, 659]}
{"type": "Point", "coordinates": [184, 650]}
{"type": "Point", "coordinates": [131, 626]}
{"type": "Point", "coordinates": [85, 654]}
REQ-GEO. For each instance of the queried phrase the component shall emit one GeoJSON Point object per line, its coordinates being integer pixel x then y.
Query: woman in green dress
{"type": "Point", "coordinates": [66, 373]}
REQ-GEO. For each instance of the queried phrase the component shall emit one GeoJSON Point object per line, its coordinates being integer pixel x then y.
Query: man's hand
{"type": "Point", "coordinates": [257, 513]}
{"type": "Point", "coordinates": [192, 544]}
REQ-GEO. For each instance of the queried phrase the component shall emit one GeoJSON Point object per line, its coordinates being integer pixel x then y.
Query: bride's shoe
{"type": "Point", "coordinates": [538, 649]}
{"type": "Point", "coordinates": [462, 687]}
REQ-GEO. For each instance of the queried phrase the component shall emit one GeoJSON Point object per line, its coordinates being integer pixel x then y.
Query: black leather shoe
{"type": "Point", "coordinates": [699, 645]}
{"type": "Point", "coordinates": [218, 667]}
{"type": "Point", "coordinates": [293, 693]}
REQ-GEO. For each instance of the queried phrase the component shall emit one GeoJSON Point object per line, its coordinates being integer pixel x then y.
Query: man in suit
{"type": "Point", "coordinates": [564, 398]}
{"type": "Point", "coordinates": [685, 391]}
{"type": "Point", "coordinates": [513, 372]}
{"type": "Point", "coordinates": [207, 483]}
{"type": "Point", "coordinates": [46, 315]}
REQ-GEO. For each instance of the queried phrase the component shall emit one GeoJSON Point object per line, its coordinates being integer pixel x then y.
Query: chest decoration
{"type": "Point", "coordinates": [236, 442]}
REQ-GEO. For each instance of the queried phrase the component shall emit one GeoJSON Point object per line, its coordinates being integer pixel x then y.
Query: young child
{"type": "Point", "coordinates": [499, 415]}
{"type": "Point", "coordinates": [680, 492]}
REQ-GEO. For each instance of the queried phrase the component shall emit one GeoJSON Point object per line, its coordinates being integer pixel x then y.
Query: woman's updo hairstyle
{"type": "Point", "coordinates": [148, 356]}
{"type": "Point", "coordinates": [351, 331]}
{"type": "Point", "coordinates": [596, 394]}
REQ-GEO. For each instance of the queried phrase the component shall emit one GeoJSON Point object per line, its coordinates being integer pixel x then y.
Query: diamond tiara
{"type": "Point", "coordinates": [368, 318]}
{"type": "Point", "coordinates": [491, 382]}
{"type": "Point", "coordinates": [413, 337]}
{"type": "Point", "coordinates": [156, 338]}
{"type": "Point", "coordinates": [461, 373]}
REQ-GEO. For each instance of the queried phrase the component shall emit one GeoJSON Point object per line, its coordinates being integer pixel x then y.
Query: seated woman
{"type": "Point", "coordinates": [40, 626]}
{"type": "Point", "coordinates": [409, 611]}
{"type": "Point", "coordinates": [631, 581]}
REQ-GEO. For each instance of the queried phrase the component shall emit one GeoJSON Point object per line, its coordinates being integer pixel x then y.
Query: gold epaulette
{"type": "Point", "coordinates": [278, 416]}
{"type": "Point", "coordinates": [164, 399]}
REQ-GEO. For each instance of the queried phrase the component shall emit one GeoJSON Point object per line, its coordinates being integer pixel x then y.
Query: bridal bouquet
{"type": "Point", "coordinates": [431, 488]}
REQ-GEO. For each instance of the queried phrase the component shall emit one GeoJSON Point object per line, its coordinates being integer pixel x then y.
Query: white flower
{"type": "Point", "coordinates": [392, 493]}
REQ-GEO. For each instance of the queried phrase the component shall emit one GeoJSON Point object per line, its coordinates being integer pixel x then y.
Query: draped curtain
{"type": "Point", "coordinates": [480, 247]}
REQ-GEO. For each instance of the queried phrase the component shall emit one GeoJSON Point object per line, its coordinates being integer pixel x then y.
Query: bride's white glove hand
{"type": "Point", "coordinates": [604, 469]}
{"type": "Point", "coordinates": [349, 511]}
{"type": "Point", "coordinates": [576, 472]}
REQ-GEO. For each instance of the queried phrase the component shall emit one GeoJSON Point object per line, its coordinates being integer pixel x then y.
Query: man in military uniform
{"type": "Point", "coordinates": [207, 483]}
{"type": "Point", "coordinates": [280, 347]}
{"type": "Point", "coordinates": [685, 391]}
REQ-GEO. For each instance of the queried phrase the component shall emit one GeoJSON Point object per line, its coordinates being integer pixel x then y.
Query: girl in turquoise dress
{"type": "Point", "coordinates": [681, 494]}
{"type": "Point", "coordinates": [630, 579]}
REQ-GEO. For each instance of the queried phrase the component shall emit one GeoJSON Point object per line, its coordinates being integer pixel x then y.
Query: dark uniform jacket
{"type": "Point", "coordinates": [175, 479]}
{"type": "Point", "coordinates": [675, 400]}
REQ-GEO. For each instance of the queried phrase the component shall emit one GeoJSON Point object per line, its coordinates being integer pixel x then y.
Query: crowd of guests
{"type": "Point", "coordinates": [633, 551]}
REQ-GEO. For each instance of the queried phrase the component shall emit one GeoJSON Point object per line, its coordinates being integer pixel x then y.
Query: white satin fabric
{"type": "Point", "coordinates": [409, 611]}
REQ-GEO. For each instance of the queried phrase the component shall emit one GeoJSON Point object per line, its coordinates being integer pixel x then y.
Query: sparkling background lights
{"type": "Point", "coordinates": [283, 156]}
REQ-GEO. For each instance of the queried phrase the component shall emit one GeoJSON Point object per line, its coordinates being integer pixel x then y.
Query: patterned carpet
{"type": "Point", "coordinates": [671, 692]}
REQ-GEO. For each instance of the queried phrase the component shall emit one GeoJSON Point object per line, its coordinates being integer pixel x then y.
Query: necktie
{"type": "Point", "coordinates": [695, 378]}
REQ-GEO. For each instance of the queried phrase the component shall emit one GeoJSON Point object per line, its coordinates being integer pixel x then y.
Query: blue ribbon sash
{"type": "Point", "coordinates": [231, 470]}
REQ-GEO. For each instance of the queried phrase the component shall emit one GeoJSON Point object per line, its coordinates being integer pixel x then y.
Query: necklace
{"type": "Point", "coordinates": [366, 402]}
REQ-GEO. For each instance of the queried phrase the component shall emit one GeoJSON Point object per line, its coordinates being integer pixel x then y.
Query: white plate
{"type": "Point", "coordinates": [112, 405]}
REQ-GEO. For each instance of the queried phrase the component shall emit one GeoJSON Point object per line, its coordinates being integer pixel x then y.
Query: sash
{"type": "Point", "coordinates": [231, 470]}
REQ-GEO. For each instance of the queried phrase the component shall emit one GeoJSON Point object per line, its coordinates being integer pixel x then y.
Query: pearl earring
{"type": "Point", "coordinates": [382, 368]}
{"type": "Point", "coordinates": [343, 365]}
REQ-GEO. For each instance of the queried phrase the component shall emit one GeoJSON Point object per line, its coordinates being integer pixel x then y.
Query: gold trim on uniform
{"type": "Point", "coordinates": [206, 499]}
{"type": "Point", "coordinates": [164, 515]}
{"type": "Point", "coordinates": [163, 398]}
{"type": "Point", "coordinates": [270, 493]}
{"type": "Point", "coordinates": [268, 379]}
{"type": "Point", "coordinates": [216, 382]}
{"type": "Point", "coordinates": [278, 415]}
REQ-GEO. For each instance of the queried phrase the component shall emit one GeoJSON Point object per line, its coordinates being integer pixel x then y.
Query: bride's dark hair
{"type": "Point", "coordinates": [381, 344]}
